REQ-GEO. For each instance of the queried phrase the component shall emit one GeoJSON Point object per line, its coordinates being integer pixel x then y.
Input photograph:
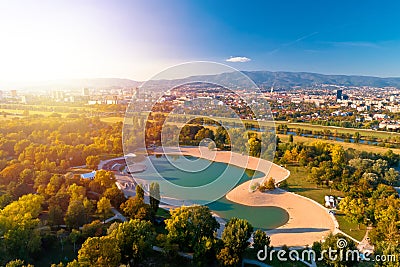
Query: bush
{"type": "Point", "coordinates": [254, 186]}
{"type": "Point", "coordinates": [268, 185]}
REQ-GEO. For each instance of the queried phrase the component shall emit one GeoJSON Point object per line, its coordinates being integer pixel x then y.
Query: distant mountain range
{"type": "Point", "coordinates": [285, 80]}
{"type": "Point", "coordinates": [289, 79]}
{"type": "Point", "coordinates": [264, 79]}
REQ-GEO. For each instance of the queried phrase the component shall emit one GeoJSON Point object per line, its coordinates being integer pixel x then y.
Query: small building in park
{"type": "Point", "coordinates": [89, 175]}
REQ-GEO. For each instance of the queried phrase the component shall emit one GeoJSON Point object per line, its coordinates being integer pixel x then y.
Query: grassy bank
{"type": "Point", "coordinates": [298, 183]}
{"type": "Point", "coordinates": [339, 130]}
{"type": "Point", "coordinates": [362, 147]}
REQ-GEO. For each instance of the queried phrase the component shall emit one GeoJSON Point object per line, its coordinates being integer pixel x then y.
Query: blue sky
{"type": "Point", "coordinates": [49, 40]}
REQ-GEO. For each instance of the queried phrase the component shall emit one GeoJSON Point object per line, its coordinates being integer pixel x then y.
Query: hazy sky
{"type": "Point", "coordinates": [48, 40]}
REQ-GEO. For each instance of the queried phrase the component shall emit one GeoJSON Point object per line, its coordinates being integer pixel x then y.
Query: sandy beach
{"type": "Point", "coordinates": [308, 220]}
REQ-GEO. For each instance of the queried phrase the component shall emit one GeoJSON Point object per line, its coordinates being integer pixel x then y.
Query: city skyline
{"type": "Point", "coordinates": [135, 40]}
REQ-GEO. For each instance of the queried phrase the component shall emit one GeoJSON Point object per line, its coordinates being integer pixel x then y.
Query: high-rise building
{"type": "Point", "coordinates": [85, 91]}
{"type": "Point", "coordinates": [136, 92]}
{"type": "Point", "coordinates": [13, 93]}
{"type": "Point", "coordinates": [339, 93]}
{"type": "Point", "coordinates": [58, 95]}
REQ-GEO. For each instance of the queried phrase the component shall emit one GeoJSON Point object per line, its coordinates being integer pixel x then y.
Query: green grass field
{"type": "Point", "coordinates": [298, 183]}
{"type": "Point", "coordinates": [19, 112]}
{"type": "Point", "coordinates": [112, 120]}
{"type": "Point", "coordinates": [350, 228]}
{"type": "Point", "coordinates": [56, 253]}
{"type": "Point", "coordinates": [163, 213]}
{"type": "Point", "coordinates": [340, 130]}
{"type": "Point", "coordinates": [345, 145]}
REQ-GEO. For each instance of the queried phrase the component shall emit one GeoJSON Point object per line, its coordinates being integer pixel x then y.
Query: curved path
{"type": "Point", "coordinates": [308, 220]}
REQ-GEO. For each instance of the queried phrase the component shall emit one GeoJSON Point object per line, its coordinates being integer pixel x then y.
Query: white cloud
{"type": "Point", "coordinates": [238, 59]}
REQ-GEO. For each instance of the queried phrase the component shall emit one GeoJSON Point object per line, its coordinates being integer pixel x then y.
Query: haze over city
{"type": "Point", "coordinates": [59, 40]}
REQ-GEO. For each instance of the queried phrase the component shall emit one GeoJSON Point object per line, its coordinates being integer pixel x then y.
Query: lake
{"type": "Point", "coordinates": [191, 172]}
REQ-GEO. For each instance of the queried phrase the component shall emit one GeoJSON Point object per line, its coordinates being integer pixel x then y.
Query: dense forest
{"type": "Point", "coordinates": [41, 200]}
{"type": "Point", "coordinates": [366, 179]}
{"type": "Point", "coordinates": [46, 206]}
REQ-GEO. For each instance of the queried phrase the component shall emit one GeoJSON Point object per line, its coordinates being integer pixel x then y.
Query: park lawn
{"type": "Point", "coordinates": [298, 183]}
{"type": "Point", "coordinates": [250, 253]}
{"type": "Point", "coordinates": [340, 130]}
{"type": "Point", "coordinates": [112, 120]}
{"type": "Point", "coordinates": [55, 254]}
{"type": "Point", "coordinates": [153, 258]}
{"type": "Point", "coordinates": [160, 228]}
{"type": "Point", "coordinates": [350, 228]}
{"type": "Point", "coordinates": [73, 108]}
{"type": "Point", "coordinates": [45, 109]}
{"type": "Point", "coordinates": [10, 117]}
{"type": "Point", "coordinates": [345, 145]}
{"type": "Point", "coordinates": [19, 112]}
{"type": "Point", "coordinates": [163, 213]}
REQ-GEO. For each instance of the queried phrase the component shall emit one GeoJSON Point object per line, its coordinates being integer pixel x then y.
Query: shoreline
{"type": "Point", "coordinates": [308, 221]}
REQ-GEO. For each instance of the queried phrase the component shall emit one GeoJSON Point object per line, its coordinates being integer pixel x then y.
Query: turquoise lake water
{"type": "Point", "coordinates": [206, 173]}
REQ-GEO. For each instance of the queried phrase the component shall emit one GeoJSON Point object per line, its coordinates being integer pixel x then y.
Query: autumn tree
{"type": "Point", "coordinates": [268, 185]}
{"type": "Point", "coordinates": [99, 251]}
{"type": "Point", "coordinates": [77, 192]}
{"type": "Point", "coordinates": [338, 155]}
{"type": "Point", "coordinates": [388, 247]}
{"type": "Point", "coordinates": [391, 177]}
{"type": "Point", "coordinates": [134, 239]}
{"type": "Point", "coordinates": [74, 237]}
{"type": "Point", "coordinates": [221, 137]}
{"type": "Point", "coordinates": [55, 215]}
{"type": "Point", "coordinates": [260, 240]}
{"type": "Point", "coordinates": [332, 242]}
{"type": "Point", "coordinates": [18, 226]}
{"type": "Point", "coordinates": [104, 208]}
{"type": "Point", "coordinates": [18, 263]}
{"type": "Point", "coordinates": [154, 196]}
{"type": "Point", "coordinates": [205, 251]}
{"type": "Point", "coordinates": [92, 162]}
{"type": "Point", "coordinates": [92, 229]}
{"type": "Point", "coordinates": [226, 257]}
{"type": "Point", "coordinates": [115, 195]}
{"type": "Point", "coordinates": [76, 214]}
{"type": "Point", "coordinates": [254, 145]}
{"type": "Point", "coordinates": [55, 183]}
{"type": "Point", "coordinates": [135, 208]}
{"type": "Point", "coordinates": [139, 192]}
{"type": "Point", "coordinates": [235, 237]}
{"type": "Point", "coordinates": [104, 179]}
{"type": "Point", "coordinates": [188, 225]}
{"type": "Point", "coordinates": [354, 208]}
{"type": "Point", "coordinates": [204, 133]}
